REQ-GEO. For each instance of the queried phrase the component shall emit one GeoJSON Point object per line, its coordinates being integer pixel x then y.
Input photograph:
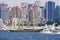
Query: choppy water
{"type": "Point", "coordinates": [27, 36]}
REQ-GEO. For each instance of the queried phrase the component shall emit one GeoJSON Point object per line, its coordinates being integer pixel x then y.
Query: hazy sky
{"type": "Point", "coordinates": [18, 2]}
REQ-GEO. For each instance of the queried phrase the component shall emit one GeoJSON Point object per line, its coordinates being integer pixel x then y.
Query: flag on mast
{"type": "Point", "coordinates": [32, 6]}
{"type": "Point", "coordinates": [15, 6]}
{"type": "Point", "coordinates": [24, 6]}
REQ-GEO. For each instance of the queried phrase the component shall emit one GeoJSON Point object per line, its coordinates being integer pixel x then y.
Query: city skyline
{"type": "Point", "coordinates": [33, 13]}
{"type": "Point", "coordinates": [18, 2]}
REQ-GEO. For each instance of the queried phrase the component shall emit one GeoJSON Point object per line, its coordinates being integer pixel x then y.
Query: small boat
{"type": "Point", "coordinates": [47, 30]}
{"type": "Point", "coordinates": [50, 32]}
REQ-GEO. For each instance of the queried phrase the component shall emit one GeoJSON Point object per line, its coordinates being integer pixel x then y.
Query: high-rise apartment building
{"type": "Point", "coordinates": [15, 14]}
{"type": "Point", "coordinates": [50, 10]}
{"type": "Point", "coordinates": [57, 14]}
{"type": "Point", "coordinates": [4, 13]}
{"type": "Point", "coordinates": [24, 14]}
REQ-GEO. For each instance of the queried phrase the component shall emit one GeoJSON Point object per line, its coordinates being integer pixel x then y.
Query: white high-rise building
{"type": "Point", "coordinates": [41, 15]}
{"type": "Point", "coordinates": [39, 12]}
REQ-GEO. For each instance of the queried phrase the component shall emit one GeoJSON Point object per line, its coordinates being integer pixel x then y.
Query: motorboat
{"type": "Point", "coordinates": [50, 30]}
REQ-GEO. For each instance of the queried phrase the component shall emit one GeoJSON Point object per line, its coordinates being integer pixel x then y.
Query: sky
{"type": "Point", "coordinates": [18, 2]}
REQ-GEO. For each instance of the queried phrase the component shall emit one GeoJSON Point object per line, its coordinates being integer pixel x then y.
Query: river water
{"type": "Point", "coordinates": [27, 36]}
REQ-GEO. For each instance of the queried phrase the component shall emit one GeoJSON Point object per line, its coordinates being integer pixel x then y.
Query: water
{"type": "Point", "coordinates": [27, 36]}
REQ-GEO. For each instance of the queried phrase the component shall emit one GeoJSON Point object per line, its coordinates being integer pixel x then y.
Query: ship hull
{"type": "Point", "coordinates": [27, 30]}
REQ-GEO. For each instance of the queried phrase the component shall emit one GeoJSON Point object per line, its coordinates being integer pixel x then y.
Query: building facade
{"type": "Point", "coordinates": [57, 14]}
{"type": "Point", "coordinates": [30, 13]}
{"type": "Point", "coordinates": [24, 14]}
{"type": "Point", "coordinates": [41, 15]}
{"type": "Point", "coordinates": [50, 8]}
{"type": "Point", "coordinates": [37, 3]}
{"type": "Point", "coordinates": [0, 10]}
{"type": "Point", "coordinates": [38, 12]}
{"type": "Point", "coordinates": [4, 13]}
{"type": "Point", "coordinates": [15, 14]}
